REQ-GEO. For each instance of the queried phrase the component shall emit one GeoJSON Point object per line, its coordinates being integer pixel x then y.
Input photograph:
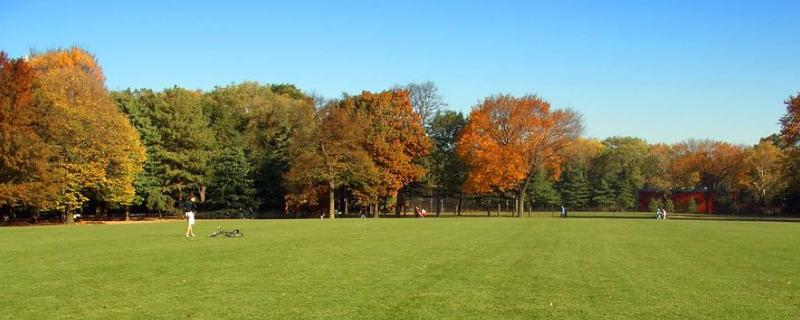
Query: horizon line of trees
{"type": "Point", "coordinates": [68, 144]}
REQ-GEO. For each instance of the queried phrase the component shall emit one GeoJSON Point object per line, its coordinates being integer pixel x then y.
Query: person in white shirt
{"type": "Point", "coordinates": [189, 208]}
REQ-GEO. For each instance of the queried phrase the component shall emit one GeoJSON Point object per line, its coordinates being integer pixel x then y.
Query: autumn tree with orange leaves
{"type": "Point", "coordinates": [395, 139]}
{"type": "Point", "coordinates": [27, 178]}
{"type": "Point", "coordinates": [716, 166]}
{"type": "Point", "coordinates": [507, 139]}
{"type": "Point", "coordinates": [790, 140]}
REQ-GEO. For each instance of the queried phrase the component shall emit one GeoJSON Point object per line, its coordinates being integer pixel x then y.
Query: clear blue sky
{"type": "Point", "coordinates": [661, 70]}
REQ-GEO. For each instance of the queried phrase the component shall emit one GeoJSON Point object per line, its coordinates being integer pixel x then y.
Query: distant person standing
{"type": "Point", "coordinates": [190, 208]}
{"type": "Point", "coordinates": [658, 213]}
{"type": "Point", "coordinates": [563, 211]}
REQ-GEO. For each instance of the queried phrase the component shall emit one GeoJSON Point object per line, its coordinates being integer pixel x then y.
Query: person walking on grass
{"type": "Point", "coordinates": [189, 209]}
{"type": "Point", "coordinates": [563, 211]}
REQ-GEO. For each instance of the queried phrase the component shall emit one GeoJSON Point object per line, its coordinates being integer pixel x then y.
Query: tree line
{"type": "Point", "coordinates": [68, 144]}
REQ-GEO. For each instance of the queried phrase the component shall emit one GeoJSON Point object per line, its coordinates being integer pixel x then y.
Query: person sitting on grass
{"type": "Point", "coordinates": [189, 207]}
{"type": "Point", "coordinates": [419, 213]}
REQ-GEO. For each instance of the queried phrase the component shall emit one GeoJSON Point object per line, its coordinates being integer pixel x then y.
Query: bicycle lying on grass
{"type": "Point", "coordinates": [223, 233]}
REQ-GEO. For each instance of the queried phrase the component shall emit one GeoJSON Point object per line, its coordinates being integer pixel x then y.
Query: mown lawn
{"type": "Point", "coordinates": [467, 268]}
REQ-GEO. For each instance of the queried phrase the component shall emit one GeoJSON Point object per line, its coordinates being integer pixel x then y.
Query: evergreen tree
{"type": "Point", "coordinates": [184, 151]}
{"type": "Point", "coordinates": [692, 205]}
{"type": "Point", "coordinates": [655, 204]}
{"type": "Point", "coordinates": [625, 196]}
{"type": "Point", "coordinates": [444, 168]}
{"type": "Point", "coordinates": [542, 192]}
{"type": "Point", "coordinates": [603, 195]}
{"type": "Point", "coordinates": [260, 119]}
{"type": "Point", "coordinates": [139, 106]}
{"type": "Point", "coordinates": [231, 186]}
{"type": "Point", "coordinates": [574, 187]}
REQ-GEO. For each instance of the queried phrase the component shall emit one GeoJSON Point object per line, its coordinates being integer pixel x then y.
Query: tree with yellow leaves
{"type": "Point", "coordinates": [766, 168]}
{"type": "Point", "coordinates": [95, 145]}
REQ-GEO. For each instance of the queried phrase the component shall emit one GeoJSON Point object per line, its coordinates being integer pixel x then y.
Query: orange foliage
{"type": "Point", "coordinates": [710, 164]}
{"type": "Point", "coordinates": [394, 137]}
{"type": "Point", "coordinates": [507, 138]}
{"type": "Point", "coordinates": [26, 178]}
{"type": "Point", "coordinates": [790, 123]}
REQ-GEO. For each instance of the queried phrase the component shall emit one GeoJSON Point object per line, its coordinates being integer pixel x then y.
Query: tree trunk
{"type": "Point", "coordinates": [202, 191]}
{"type": "Point", "coordinates": [346, 206]}
{"type": "Point", "coordinates": [399, 198]}
{"type": "Point", "coordinates": [458, 206]}
{"type": "Point", "coordinates": [127, 214]}
{"type": "Point", "coordinates": [374, 209]}
{"type": "Point", "coordinates": [498, 208]}
{"type": "Point", "coordinates": [438, 201]}
{"type": "Point", "coordinates": [523, 188]}
{"type": "Point", "coordinates": [70, 218]}
{"type": "Point", "coordinates": [331, 204]}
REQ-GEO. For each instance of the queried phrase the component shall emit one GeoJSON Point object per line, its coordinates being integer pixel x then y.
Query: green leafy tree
{"type": "Point", "coordinates": [263, 117]}
{"type": "Point", "coordinates": [692, 205]}
{"type": "Point", "coordinates": [621, 165]}
{"type": "Point", "coordinates": [185, 149]}
{"type": "Point", "coordinates": [231, 186]}
{"type": "Point", "coordinates": [139, 106]}
{"type": "Point", "coordinates": [574, 187]}
{"type": "Point", "coordinates": [625, 195]}
{"type": "Point", "coordinates": [542, 192]}
{"type": "Point", "coordinates": [445, 169]}
{"type": "Point", "coordinates": [655, 204]}
{"type": "Point", "coordinates": [603, 194]}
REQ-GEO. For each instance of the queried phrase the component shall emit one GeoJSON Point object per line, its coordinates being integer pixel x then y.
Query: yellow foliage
{"type": "Point", "coordinates": [97, 145]}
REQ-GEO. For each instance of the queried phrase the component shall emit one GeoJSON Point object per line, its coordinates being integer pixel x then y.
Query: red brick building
{"type": "Point", "coordinates": [680, 199]}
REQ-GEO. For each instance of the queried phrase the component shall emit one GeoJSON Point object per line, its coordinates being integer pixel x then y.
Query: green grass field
{"type": "Point", "coordinates": [478, 268]}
